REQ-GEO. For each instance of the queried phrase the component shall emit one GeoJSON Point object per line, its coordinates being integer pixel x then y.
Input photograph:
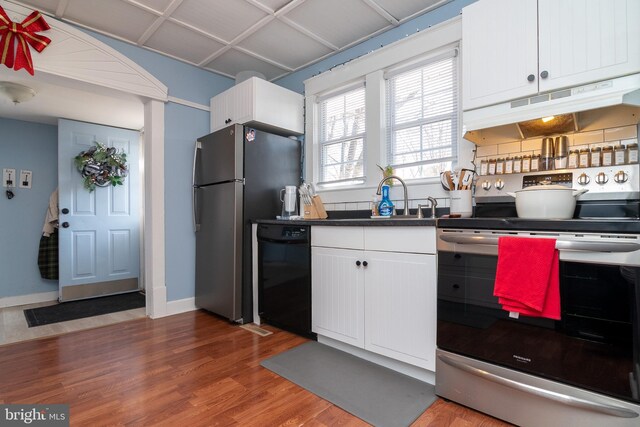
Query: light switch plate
{"type": "Point", "coordinates": [25, 179]}
{"type": "Point", "coordinates": [8, 178]}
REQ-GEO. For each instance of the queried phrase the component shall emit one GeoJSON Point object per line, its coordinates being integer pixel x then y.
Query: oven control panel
{"type": "Point", "coordinates": [565, 179]}
{"type": "Point", "coordinates": [603, 183]}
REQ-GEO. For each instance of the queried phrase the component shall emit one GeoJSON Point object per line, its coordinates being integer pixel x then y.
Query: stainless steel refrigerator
{"type": "Point", "coordinates": [237, 176]}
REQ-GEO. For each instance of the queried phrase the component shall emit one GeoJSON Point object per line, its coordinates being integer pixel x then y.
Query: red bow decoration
{"type": "Point", "coordinates": [25, 32]}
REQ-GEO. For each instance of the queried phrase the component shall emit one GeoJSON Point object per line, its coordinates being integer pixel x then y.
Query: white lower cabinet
{"type": "Point", "coordinates": [382, 301]}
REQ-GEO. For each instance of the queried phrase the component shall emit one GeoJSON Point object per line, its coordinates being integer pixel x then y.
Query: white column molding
{"type": "Point", "coordinates": [154, 254]}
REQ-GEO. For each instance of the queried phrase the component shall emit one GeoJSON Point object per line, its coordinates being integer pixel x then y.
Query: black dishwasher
{"type": "Point", "coordinates": [284, 277]}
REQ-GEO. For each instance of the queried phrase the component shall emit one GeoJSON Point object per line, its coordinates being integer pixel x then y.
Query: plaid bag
{"type": "Point", "coordinates": [48, 256]}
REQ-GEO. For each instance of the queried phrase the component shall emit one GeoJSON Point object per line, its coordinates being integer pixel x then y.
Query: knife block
{"type": "Point", "coordinates": [315, 210]}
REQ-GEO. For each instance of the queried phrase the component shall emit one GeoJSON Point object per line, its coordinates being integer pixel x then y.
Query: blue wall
{"type": "Point", "coordinates": [295, 81]}
{"type": "Point", "coordinates": [34, 147]}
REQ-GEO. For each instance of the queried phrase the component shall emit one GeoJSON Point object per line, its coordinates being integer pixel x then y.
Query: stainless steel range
{"type": "Point", "coordinates": [583, 369]}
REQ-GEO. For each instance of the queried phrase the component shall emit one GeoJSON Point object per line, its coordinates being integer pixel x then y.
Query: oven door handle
{"type": "Point", "coordinates": [589, 246]}
{"type": "Point", "coordinates": [617, 411]}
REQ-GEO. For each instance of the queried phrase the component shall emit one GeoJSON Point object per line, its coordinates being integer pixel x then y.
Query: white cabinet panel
{"type": "Point", "coordinates": [259, 102]}
{"type": "Point", "coordinates": [222, 110]}
{"type": "Point", "coordinates": [382, 301]}
{"type": "Point", "coordinates": [400, 307]}
{"type": "Point", "coordinates": [337, 294]}
{"type": "Point", "coordinates": [515, 49]}
{"type": "Point", "coordinates": [337, 237]}
{"type": "Point", "coordinates": [421, 240]}
{"type": "Point", "coordinates": [583, 41]}
{"type": "Point", "coordinates": [499, 51]}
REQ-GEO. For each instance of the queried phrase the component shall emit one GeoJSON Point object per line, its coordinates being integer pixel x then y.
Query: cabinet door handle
{"type": "Point", "coordinates": [365, 263]}
{"type": "Point", "coordinates": [358, 263]}
{"type": "Point", "coordinates": [544, 74]}
{"type": "Point", "coordinates": [531, 77]}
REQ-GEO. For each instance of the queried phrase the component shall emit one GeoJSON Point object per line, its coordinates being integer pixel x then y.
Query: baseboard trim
{"type": "Point", "coordinates": [28, 299]}
{"type": "Point", "coordinates": [181, 306]}
{"type": "Point", "coordinates": [404, 368]}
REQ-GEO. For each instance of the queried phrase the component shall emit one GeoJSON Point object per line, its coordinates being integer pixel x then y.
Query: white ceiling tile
{"type": "Point", "coordinates": [158, 5]}
{"type": "Point", "coordinates": [114, 17]}
{"type": "Point", "coordinates": [281, 43]}
{"type": "Point", "coordinates": [233, 61]}
{"type": "Point", "coordinates": [404, 8]}
{"type": "Point", "coordinates": [42, 5]}
{"type": "Point", "coordinates": [333, 20]}
{"type": "Point", "coordinates": [223, 18]}
{"type": "Point", "coordinates": [274, 4]}
{"type": "Point", "coordinates": [182, 43]}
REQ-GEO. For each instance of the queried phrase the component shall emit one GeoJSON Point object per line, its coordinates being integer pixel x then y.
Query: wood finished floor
{"type": "Point", "coordinates": [191, 369]}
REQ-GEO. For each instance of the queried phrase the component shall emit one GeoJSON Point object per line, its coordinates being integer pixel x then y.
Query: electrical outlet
{"type": "Point", "coordinates": [25, 179]}
{"type": "Point", "coordinates": [8, 178]}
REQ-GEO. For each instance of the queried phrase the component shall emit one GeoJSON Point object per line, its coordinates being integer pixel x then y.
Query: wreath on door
{"type": "Point", "coordinates": [101, 166]}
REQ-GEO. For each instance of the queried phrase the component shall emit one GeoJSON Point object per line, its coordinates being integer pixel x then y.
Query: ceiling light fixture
{"type": "Point", "coordinates": [547, 119]}
{"type": "Point", "coordinates": [15, 92]}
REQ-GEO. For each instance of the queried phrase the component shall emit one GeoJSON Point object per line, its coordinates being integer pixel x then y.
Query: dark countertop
{"type": "Point", "coordinates": [429, 222]}
{"type": "Point", "coordinates": [570, 225]}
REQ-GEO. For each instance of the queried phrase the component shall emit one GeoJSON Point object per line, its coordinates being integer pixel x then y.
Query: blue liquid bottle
{"type": "Point", "coordinates": [385, 208]}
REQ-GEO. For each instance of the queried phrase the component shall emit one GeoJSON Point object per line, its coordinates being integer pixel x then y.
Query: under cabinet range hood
{"type": "Point", "coordinates": [611, 103]}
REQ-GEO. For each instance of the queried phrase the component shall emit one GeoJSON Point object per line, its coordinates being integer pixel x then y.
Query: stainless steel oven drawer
{"type": "Point", "coordinates": [526, 400]}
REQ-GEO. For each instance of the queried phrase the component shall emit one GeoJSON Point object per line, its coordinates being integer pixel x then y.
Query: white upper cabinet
{"type": "Point", "coordinates": [257, 102]}
{"type": "Point", "coordinates": [514, 49]}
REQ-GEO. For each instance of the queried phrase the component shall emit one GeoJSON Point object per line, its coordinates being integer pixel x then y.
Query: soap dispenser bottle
{"type": "Point", "coordinates": [385, 208]}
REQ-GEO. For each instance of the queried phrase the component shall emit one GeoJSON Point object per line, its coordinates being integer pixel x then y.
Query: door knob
{"type": "Point", "coordinates": [65, 225]}
{"type": "Point", "coordinates": [65, 211]}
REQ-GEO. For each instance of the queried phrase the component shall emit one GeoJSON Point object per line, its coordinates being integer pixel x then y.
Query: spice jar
{"type": "Point", "coordinates": [526, 163]}
{"type": "Point", "coordinates": [573, 159]}
{"type": "Point", "coordinates": [619, 155]}
{"type": "Point", "coordinates": [517, 164]}
{"type": "Point", "coordinates": [535, 163]}
{"type": "Point", "coordinates": [584, 158]}
{"type": "Point", "coordinates": [596, 157]}
{"type": "Point", "coordinates": [607, 156]}
{"type": "Point", "coordinates": [500, 166]}
{"type": "Point", "coordinates": [484, 167]}
{"type": "Point", "coordinates": [492, 166]}
{"type": "Point", "coordinates": [508, 165]}
{"type": "Point", "coordinates": [632, 153]}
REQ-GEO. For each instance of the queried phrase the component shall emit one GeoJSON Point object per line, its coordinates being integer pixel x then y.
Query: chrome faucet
{"type": "Point", "coordinates": [404, 186]}
{"type": "Point", "coordinates": [434, 203]}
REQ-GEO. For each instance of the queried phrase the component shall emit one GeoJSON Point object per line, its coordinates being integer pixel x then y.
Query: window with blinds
{"type": "Point", "coordinates": [342, 136]}
{"type": "Point", "coordinates": [422, 114]}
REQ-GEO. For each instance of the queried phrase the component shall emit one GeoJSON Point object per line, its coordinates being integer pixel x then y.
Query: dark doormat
{"type": "Point", "coordinates": [371, 392]}
{"type": "Point", "coordinates": [85, 308]}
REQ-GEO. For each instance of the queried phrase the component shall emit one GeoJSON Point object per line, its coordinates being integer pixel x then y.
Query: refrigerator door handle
{"type": "Point", "coordinates": [194, 207]}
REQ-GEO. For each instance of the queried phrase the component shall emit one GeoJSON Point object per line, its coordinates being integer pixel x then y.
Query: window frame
{"type": "Point", "coordinates": [371, 67]}
{"type": "Point", "coordinates": [420, 63]}
{"type": "Point", "coordinates": [322, 142]}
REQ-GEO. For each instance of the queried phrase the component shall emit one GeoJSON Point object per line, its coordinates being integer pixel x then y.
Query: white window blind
{"type": "Point", "coordinates": [422, 114]}
{"type": "Point", "coordinates": [342, 136]}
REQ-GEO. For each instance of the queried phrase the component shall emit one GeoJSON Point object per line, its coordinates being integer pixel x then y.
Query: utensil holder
{"type": "Point", "coordinates": [461, 203]}
{"type": "Point", "coordinates": [315, 210]}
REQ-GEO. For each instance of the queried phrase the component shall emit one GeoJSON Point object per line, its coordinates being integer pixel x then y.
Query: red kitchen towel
{"type": "Point", "coordinates": [527, 278]}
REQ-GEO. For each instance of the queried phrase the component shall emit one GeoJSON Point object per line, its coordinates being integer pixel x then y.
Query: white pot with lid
{"type": "Point", "coordinates": [546, 201]}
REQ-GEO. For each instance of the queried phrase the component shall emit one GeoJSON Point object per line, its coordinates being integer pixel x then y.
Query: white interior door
{"type": "Point", "coordinates": [99, 233]}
